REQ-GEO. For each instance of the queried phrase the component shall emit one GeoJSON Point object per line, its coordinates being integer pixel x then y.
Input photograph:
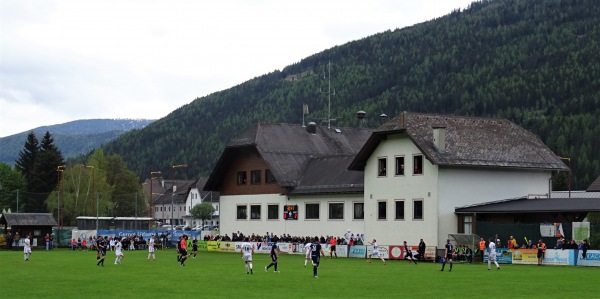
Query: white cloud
{"type": "Point", "coordinates": [67, 60]}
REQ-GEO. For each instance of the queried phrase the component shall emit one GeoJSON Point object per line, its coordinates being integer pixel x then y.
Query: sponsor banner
{"type": "Point", "coordinates": [285, 247]}
{"type": "Point", "coordinates": [342, 250]}
{"type": "Point", "coordinates": [83, 234]}
{"type": "Point", "coordinates": [213, 246]}
{"type": "Point", "coordinates": [581, 231]}
{"type": "Point", "coordinates": [396, 252]}
{"type": "Point", "coordinates": [559, 257]}
{"type": "Point", "coordinates": [296, 248]}
{"type": "Point", "coordinates": [358, 251]}
{"type": "Point", "coordinates": [592, 258]}
{"type": "Point", "coordinates": [383, 250]}
{"type": "Point", "coordinates": [227, 246]}
{"type": "Point", "coordinates": [503, 255]}
{"type": "Point", "coordinates": [202, 246]}
{"type": "Point", "coordinates": [524, 256]}
{"type": "Point", "coordinates": [262, 247]}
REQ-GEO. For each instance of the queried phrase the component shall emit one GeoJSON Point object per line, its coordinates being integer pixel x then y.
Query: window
{"type": "Point", "coordinates": [399, 210]}
{"type": "Point", "coordinates": [269, 178]}
{"type": "Point", "coordinates": [241, 178]}
{"type": "Point", "coordinates": [359, 211]}
{"type": "Point", "coordinates": [255, 177]}
{"type": "Point", "coordinates": [399, 166]}
{"type": "Point", "coordinates": [255, 212]}
{"type": "Point", "coordinates": [418, 209]}
{"type": "Point", "coordinates": [273, 212]}
{"type": "Point", "coordinates": [418, 164]}
{"type": "Point", "coordinates": [336, 210]}
{"type": "Point", "coordinates": [381, 210]}
{"type": "Point", "coordinates": [242, 212]}
{"type": "Point", "coordinates": [312, 211]}
{"type": "Point", "coordinates": [382, 167]}
{"type": "Point", "coordinates": [468, 224]}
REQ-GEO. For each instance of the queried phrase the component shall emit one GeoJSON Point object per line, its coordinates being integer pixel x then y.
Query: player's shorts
{"type": "Point", "coordinates": [376, 253]}
{"type": "Point", "coordinates": [195, 248]}
{"type": "Point", "coordinates": [247, 257]}
{"type": "Point", "coordinates": [332, 248]}
{"type": "Point", "coordinates": [540, 254]}
{"type": "Point", "coordinates": [308, 255]}
{"type": "Point", "coordinates": [316, 259]}
{"type": "Point", "coordinates": [151, 249]}
{"type": "Point", "coordinates": [492, 257]}
{"type": "Point", "coordinates": [183, 251]}
{"type": "Point", "coordinates": [449, 256]}
{"type": "Point", "coordinates": [409, 254]}
{"type": "Point", "coordinates": [26, 250]}
{"type": "Point", "coordinates": [274, 258]}
{"type": "Point", "coordinates": [119, 253]}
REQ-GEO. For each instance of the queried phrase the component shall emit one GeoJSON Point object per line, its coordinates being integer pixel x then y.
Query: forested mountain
{"type": "Point", "coordinates": [536, 63]}
{"type": "Point", "coordinates": [72, 138]}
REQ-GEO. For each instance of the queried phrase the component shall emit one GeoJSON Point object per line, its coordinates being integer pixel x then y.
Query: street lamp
{"type": "Point", "coordinates": [151, 200]}
{"type": "Point", "coordinates": [60, 170]}
{"type": "Point", "coordinates": [173, 189]}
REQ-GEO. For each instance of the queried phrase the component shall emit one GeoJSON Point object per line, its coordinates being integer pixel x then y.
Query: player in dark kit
{"type": "Point", "coordinates": [101, 244]}
{"type": "Point", "coordinates": [195, 246]}
{"type": "Point", "coordinates": [179, 249]}
{"type": "Point", "coordinates": [447, 255]}
{"type": "Point", "coordinates": [274, 251]}
{"type": "Point", "coordinates": [408, 252]}
{"type": "Point", "coordinates": [315, 253]}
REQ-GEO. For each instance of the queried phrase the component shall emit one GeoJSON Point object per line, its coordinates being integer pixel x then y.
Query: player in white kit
{"type": "Point", "coordinates": [307, 248]}
{"type": "Point", "coordinates": [151, 248]}
{"type": "Point", "coordinates": [375, 252]}
{"type": "Point", "coordinates": [246, 252]}
{"type": "Point", "coordinates": [27, 248]}
{"type": "Point", "coordinates": [118, 251]}
{"type": "Point", "coordinates": [492, 255]}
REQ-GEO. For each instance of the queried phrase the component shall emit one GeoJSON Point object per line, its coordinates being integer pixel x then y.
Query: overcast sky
{"type": "Point", "coordinates": [67, 60]}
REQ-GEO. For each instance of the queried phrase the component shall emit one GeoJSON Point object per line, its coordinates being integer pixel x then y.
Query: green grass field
{"type": "Point", "coordinates": [69, 274]}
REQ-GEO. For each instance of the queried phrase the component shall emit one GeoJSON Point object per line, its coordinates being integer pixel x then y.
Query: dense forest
{"type": "Point", "coordinates": [536, 63]}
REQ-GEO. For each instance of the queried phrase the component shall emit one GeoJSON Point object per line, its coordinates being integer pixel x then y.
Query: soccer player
{"type": "Point", "coordinates": [195, 246]}
{"type": "Point", "coordinates": [246, 252]}
{"type": "Point", "coordinates": [448, 250]}
{"type": "Point", "coordinates": [492, 255]}
{"type": "Point", "coordinates": [101, 243]}
{"type": "Point", "coordinates": [408, 252]}
{"type": "Point", "coordinates": [151, 248]}
{"type": "Point", "coordinates": [183, 249]}
{"type": "Point", "coordinates": [315, 253]}
{"type": "Point", "coordinates": [375, 252]}
{"type": "Point", "coordinates": [118, 250]}
{"type": "Point", "coordinates": [307, 248]}
{"type": "Point", "coordinates": [332, 243]}
{"type": "Point", "coordinates": [27, 248]}
{"type": "Point", "coordinates": [274, 256]}
{"type": "Point", "coordinates": [179, 249]}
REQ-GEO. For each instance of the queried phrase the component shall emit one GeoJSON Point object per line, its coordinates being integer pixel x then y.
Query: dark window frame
{"type": "Point", "coordinates": [310, 210]}
{"type": "Point", "coordinates": [400, 165]}
{"type": "Point", "coordinates": [382, 166]}
{"type": "Point", "coordinates": [241, 177]}
{"type": "Point", "coordinates": [255, 177]}
{"type": "Point", "coordinates": [241, 214]}
{"type": "Point", "coordinates": [334, 212]}
{"type": "Point", "coordinates": [362, 211]}
{"type": "Point", "coordinates": [382, 204]}
{"type": "Point", "coordinates": [254, 213]}
{"type": "Point", "coordinates": [417, 164]}
{"type": "Point", "coordinates": [270, 214]}
{"type": "Point", "coordinates": [418, 210]}
{"type": "Point", "coordinates": [399, 203]}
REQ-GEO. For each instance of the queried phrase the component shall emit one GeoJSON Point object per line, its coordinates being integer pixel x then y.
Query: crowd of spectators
{"type": "Point", "coordinates": [284, 238]}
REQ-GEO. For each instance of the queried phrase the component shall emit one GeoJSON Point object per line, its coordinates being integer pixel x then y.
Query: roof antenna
{"type": "Point", "coordinates": [329, 93]}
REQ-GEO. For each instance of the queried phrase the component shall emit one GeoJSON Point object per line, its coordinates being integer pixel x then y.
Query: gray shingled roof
{"type": "Point", "coordinates": [28, 219]}
{"type": "Point", "coordinates": [470, 141]}
{"type": "Point", "coordinates": [180, 195]}
{"type": "Point", "coordinates": [545, 205]}
{"type": "Point", "coordinates": [330, 175]}
{"type": "Point", "coordinates": [289, 148]}
{"type": "Point", "coordinates": [595, 186]}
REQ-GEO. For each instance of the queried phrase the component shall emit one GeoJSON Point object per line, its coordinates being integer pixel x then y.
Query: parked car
{"type": "Point", "coordinates": [167, 226]}
{"type": "Point", "coordinates": [197, 228]}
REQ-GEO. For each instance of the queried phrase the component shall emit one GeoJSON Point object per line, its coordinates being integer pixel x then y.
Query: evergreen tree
{"type": "Point", "coordinates": [27, 156]}
{"type": "Point", "coordinates": [44, 177]}
{"type": "Point", "coordinates": [11, 180]}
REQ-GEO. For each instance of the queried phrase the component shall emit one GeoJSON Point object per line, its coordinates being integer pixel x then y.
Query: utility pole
{"type": "Point", "coordinates": [329, 93]}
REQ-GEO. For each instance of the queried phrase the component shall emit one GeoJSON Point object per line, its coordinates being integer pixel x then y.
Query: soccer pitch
{"type": "Point", "coordinates": [74, 274]}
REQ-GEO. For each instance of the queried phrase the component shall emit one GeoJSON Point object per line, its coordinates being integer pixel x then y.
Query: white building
{"type": "Point", "coordinates": [402, 182]}
{"type": "Point", "coordinates": [195, 196]}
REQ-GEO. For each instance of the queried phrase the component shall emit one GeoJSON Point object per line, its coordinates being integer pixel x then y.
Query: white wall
{"type": "Point", "coordinates": [300, 227]}
{"type": "Point", "coordinates": [407, 187]}
{"type": "Point", "coordinates": [467, 186]}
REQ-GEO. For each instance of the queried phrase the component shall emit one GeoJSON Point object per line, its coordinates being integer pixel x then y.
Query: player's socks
{"type": "Point", "coordinates": [315, 271]}
{"type": "Point", "coordinates": [305, 262]}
